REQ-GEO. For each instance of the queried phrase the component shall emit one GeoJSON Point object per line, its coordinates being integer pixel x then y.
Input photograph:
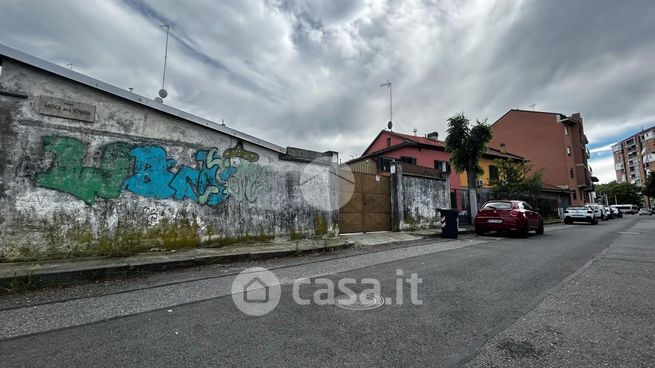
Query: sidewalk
{"type": "Point", "coordinates": [21, 275]}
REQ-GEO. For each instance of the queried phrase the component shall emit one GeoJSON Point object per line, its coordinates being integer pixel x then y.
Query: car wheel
{"type": "Point", "coordinates": [567, 222]}
{"type": "Point", "coordinates": [594, 222]}
{"type": "Point", "coordinates": [479, 232]}
{"type": "Point", "coordinates": [540, 229]}
{"type": "Point", "coordinates": [523, 233]}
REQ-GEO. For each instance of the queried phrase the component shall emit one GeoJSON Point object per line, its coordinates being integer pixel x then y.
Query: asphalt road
{"type": "Point", "coordinates": [473, 290]}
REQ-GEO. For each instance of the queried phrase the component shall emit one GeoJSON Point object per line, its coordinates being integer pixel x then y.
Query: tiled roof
{"type": "Point", "coordinates": [418, 139]}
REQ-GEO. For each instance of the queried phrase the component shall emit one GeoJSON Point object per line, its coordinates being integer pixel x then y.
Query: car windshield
{"type": "Point", "coordinates": [577, 208]}
{"type": "Point", "coordinates": [498, 206]}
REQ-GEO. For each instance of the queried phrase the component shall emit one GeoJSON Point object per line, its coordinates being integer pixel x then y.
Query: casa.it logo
{"type": "Point", "coordinates": [256, 291]}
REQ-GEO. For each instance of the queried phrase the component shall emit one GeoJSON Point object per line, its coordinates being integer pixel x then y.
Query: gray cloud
{"type": "Point", "coordinates": [307, 73]}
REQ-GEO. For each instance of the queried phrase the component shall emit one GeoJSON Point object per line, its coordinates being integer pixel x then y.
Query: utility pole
{"type": "Point", "coordinates": [388, 84]}
{"type": "Point", "coordinates": [162, 92]}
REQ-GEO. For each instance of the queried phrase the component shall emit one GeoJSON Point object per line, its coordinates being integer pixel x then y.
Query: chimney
{"type": "Point", "coordinates": [434, 136]}
{"type": "Point", "coordinates": [503, 148]}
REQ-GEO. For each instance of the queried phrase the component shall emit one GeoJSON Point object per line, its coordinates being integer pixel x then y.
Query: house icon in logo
{"type": "Point", "coordinates": [256, 291]}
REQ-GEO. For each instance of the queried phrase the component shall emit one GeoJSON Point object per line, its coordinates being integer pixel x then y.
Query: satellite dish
{"type": "Point", "coordinates": [159, 99]}
{"type": "Point", "coordinates": [389, 125]}
{"type": "Point", "coordinates": [163, 93]}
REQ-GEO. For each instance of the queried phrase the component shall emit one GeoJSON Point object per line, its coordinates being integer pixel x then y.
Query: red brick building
{"type": "Point", "coordinates": [552, 142]}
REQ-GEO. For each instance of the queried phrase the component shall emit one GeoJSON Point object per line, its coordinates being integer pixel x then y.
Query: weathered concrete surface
{"type": "Point", "coordinates": [415, 199]}
{"type": "Point", "coordinates": [131, 177]}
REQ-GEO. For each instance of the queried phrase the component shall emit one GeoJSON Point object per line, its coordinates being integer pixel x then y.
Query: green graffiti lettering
{"type": "Point", "coordinates": [244, 185]}
{"type": "Point", "coordinates": [239, 151]}
{"type": "Point", "coordinates": [69, 176]}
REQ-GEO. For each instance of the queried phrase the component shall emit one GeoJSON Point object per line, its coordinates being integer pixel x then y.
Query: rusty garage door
{"type": "Point", "coordinates": [369, 208]}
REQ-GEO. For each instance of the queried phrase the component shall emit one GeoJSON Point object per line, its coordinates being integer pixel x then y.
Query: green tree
{"type": "Point", "coordinates": [467, 145]}
{"type": "Point", "coordinates": [514, 177]}
{"type": "Point", "coordinates": [649, 186]}
{"type": "Point", "coordinates": [620, 193]}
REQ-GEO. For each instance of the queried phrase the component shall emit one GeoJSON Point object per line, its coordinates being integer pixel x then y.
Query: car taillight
{"type": "Point", "coordinates": [514, 213]}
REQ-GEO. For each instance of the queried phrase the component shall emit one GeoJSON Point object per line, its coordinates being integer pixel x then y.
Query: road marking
{"type": "Point", "coordinates": [629, 232]}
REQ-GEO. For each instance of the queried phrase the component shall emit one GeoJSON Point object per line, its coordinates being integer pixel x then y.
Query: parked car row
{"type": "Point", "coordinates": [645, 211]}
{"type": "Point", "coordinates": [520, 217]}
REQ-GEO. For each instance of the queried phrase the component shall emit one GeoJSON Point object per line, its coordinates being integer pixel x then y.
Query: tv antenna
{"type": "Point", "coordinates": [388, 84]}
{"type": "Point", "coordinates": [533, 106]}
{"type": "Point", "coordinates": [162, 92]}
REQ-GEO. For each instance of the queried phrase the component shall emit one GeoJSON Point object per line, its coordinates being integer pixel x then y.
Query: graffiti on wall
{"type": "Point", "coordinates": [148, 171]}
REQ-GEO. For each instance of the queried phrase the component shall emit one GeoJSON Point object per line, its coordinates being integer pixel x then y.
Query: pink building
{"type": "Point", "coordinates": [422, 151]}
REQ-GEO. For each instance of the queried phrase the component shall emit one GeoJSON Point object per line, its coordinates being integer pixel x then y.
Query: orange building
{"type": "Point", "coordinates": [551, 142]}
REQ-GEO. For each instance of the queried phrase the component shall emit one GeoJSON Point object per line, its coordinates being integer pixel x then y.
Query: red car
{"type": "Point", "coordinates": [508, 215]}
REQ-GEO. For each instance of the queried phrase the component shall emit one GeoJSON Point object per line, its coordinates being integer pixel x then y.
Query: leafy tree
{"type": "Point", "coordinates": [621, 193]}
{"type": "Point", "coordinates": [649, 186]}
{"type": "Point", "coordinates": [467, 145]}
{"type": "Point", "coordinates": [514, 177]}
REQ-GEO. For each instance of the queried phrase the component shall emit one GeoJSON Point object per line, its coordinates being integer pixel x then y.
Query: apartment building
{"type": "Point", "coordinates": [553, 143]}
{"type": "Point", "coordinates": [634, 157]}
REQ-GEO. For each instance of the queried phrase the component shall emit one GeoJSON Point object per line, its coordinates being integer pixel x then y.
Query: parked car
{"type": "Point", "coordinates": [630, 209]}
{"type": "Point", "coordinates": [580, 214]}
{"type": "Point", "coordinates": [616, 212]}
{"type": "Point", "coordinates": [508, 215]}
{"type": "Point", "coordinates": [608, 213]}
{"type": "Point", "coordinates": [645, 211]}
{"type": "Point", "coordinates": [599, 211]}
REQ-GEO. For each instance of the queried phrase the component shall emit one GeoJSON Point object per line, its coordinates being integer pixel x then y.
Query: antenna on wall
{"type": "Point", "coordinates": [388, 84]}
{"type": "Point", "coordinates": [533, 106]}
{"type": "Point", "coordinates": [162, 92]}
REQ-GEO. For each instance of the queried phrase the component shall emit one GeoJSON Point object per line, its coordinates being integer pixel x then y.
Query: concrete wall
{"type": "Point", "coordinates": [415, 199]}
{"type": "Point", "coordinates": [135, 178]}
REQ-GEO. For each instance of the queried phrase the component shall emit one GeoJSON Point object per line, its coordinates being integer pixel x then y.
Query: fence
{"type": "Point", "coordinates": [549, 205]}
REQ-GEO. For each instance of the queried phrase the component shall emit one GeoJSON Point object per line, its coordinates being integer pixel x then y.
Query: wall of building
{"type": "Point", "coordinates": [415, 200]}
{"type": "Point", "coordinates": [135, 178]}
{"type": "Point", "coordinates": [542, 140]}
{"type": "Point", "coordinates": [484, 164]}
{"type": "Point", "coordinates": [424, 157]}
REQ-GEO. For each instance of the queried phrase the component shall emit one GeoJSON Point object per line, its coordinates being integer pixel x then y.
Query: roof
{"type": "Point", "coordinates": [413, 138]}
{"type": "Point", "coordinates": [642, 131]}
{"type": "Point", "coordinates": [561, 116]}
{"type": "Point", "coordinates": [10, 53]}
{"type": "Point", "coordinates": [427, 143]}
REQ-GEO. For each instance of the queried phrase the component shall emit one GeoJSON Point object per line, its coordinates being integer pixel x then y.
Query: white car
{"type": "Point", "coordinates": [580, 214]}
{"type": "Point", "coordinates": [599, 211]}
{"type": "Point", "coordinates": [645, 211]}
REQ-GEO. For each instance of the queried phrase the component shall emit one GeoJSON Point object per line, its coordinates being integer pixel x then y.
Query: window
{"type": "Point", "coordinates": [568, 151]}
{"type": "Point", "coordinates": [566, 130]}
{"type": "Point", "coordinates": [386, 164]}
{"type": "Point", "coordinates": [442, 166]}
{"type": "Point", "coordinates": [407, 159]}
{"type": "Point", "coordinates": [498, 205]}
{"type": "Point", "coordinates": [493, 172]}
{"type": "Point", "coordinates": [388, 142]}
{"type": "Point", "coordinates": [574, 195]}
{"type": "Point", "coordinates": [527, 207]}
{"type": "Point", "coordinates": [571, 173]}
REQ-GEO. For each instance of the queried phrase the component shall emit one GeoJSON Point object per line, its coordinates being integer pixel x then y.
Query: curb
{"type": "Point", "coordinates": [67, 277]}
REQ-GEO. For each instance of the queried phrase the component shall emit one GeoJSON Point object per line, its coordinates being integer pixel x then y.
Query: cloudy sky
{"type": "Point", "coordinates": [308, 73]}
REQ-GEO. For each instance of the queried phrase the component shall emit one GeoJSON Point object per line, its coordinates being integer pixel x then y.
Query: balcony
{"type": "Point", "coordinates": [583, 177]}
{"type": "Point", "coordinates": [617, 148]}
